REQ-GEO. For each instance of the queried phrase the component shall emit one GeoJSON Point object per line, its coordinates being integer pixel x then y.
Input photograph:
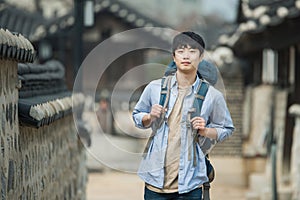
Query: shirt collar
{"type": "Point", "coordinates": [194, 85]}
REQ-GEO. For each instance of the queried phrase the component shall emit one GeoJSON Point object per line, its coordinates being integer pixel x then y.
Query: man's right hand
{"type": "Point", "coordinates": [154, 114]}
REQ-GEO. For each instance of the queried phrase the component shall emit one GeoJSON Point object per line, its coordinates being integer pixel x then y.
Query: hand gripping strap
{"type": "Point", "coordinates": [163, 101]}
{"type": "Point", "coordinates": [164, 98]}
{"type": "Point", "coordinates": [197, 106]}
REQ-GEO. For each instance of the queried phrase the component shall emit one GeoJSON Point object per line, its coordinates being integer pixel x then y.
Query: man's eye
{"type": "Point", "coordinates": [180, 51]}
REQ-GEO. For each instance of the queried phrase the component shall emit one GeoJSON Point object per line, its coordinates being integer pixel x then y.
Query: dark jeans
{"type": "Point", "coordinates": [194, 194]}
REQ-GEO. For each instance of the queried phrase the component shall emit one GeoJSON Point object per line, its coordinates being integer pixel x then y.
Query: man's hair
{"type": "Point", "coordinates": [190, 39]}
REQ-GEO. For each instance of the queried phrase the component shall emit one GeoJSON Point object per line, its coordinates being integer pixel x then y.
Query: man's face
{"type": "Point", "coordinates": [187, 59]}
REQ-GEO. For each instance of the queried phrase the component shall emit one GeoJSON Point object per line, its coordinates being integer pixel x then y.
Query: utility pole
{"type": "Point", "coordinates": [78, 47]}
{"type": "Point", "coordinates": [84, 17]}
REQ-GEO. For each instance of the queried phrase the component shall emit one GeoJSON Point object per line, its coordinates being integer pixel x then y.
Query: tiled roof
{"type": "Point", "coordinates": [120, 10]}
{"type": "Point", "coordinates": [43, 95]}
{"type": "Point", "coordinates": [133, 17]}
{"type": "Point", "coordinates": [15, 47]}
{"type": "Point", "coordinates": [44, 110]}
{"type": "Point", "coordinates": [41, 79]}
{"type": "Point", "coordinates": [257, 15]}
{"type": "Point", "coordinates": [35, 27]}
{"type": "Point", "coordinates": [128, 14]}
{"type": "Point", "coordinates": [31, 25]}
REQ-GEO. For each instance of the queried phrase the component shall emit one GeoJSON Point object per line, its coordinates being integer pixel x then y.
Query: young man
{"type": "Point", "coordinates": [168, 168]}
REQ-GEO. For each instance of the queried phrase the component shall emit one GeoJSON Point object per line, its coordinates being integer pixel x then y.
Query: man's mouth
{"type": "Point", "coordinates": [186, 63]}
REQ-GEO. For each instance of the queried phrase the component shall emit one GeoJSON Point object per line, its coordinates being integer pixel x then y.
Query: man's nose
{"type": "Point", "coordinates": [186, 55]}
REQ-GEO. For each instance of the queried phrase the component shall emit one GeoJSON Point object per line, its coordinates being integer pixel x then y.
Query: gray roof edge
{"type": "Point", "coordinates": [14, 46]}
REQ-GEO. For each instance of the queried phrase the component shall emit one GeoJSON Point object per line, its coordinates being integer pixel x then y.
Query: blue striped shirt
{"type": "Point", "coordinates": [214, 111]}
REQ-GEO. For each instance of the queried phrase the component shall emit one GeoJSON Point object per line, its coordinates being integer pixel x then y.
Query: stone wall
{"type": "Point", "coordinates": [52, 162]}
{"type": "Point", "coordinates": [36, 163]}
{"type": "Point", "coordinates": [9, 131]}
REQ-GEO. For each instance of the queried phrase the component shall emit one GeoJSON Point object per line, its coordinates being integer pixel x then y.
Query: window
{"type": "Point", "coordinates": [292, 65]}
{"type": "Point", "coordinates": [270, 66]}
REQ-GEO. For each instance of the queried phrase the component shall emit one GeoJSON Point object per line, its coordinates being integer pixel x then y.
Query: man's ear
{"type": "Point", "coordinates": [202, 56]}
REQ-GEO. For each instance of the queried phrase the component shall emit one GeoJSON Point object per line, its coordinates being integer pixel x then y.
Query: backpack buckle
{"type": "Point", "coordinates": [188, 125]}
{"type": "Point", "coordinates": [192, 110]}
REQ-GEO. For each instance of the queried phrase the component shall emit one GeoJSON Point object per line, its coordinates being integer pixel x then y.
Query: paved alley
{"type": "Point", "coordinates": [112, 185]}
{"type": "Point", "coordinates": [107, 184]}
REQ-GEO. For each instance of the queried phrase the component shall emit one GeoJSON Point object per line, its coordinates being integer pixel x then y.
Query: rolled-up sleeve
{"type": "Point", "coordinates": [220, 118]}
{"type": "Point", "coordinates": [142, 107]}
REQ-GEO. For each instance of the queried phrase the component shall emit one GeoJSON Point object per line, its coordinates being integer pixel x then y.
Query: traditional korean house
{"type": "Point", "coordinates": [111, 18]}
{"type": "Point", "coordinates": [57, 39]}
{"type": "Point", "coordinates": [268, 40]}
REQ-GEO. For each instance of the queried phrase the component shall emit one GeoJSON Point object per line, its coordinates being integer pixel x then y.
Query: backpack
{"type": "Point", "coordinates": [205, 143]}
{"type": "Point", "coordinates": [206, 70]}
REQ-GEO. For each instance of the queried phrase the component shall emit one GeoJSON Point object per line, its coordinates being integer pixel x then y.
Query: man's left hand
{"type": "Point", "coordinates": [199, 124]}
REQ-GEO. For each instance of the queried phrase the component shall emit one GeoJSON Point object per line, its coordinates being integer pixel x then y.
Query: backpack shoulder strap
{"type": "Point", "coordinates": [165, 91]}
{"type": "Point", "coordinates": [196, 107]}
{"type": "Point", "coordinates": [163, 101]}
{"type": "Point", "coordinates": [199, 98]}
{"type": "Point", "coordinates": [164, 97]}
